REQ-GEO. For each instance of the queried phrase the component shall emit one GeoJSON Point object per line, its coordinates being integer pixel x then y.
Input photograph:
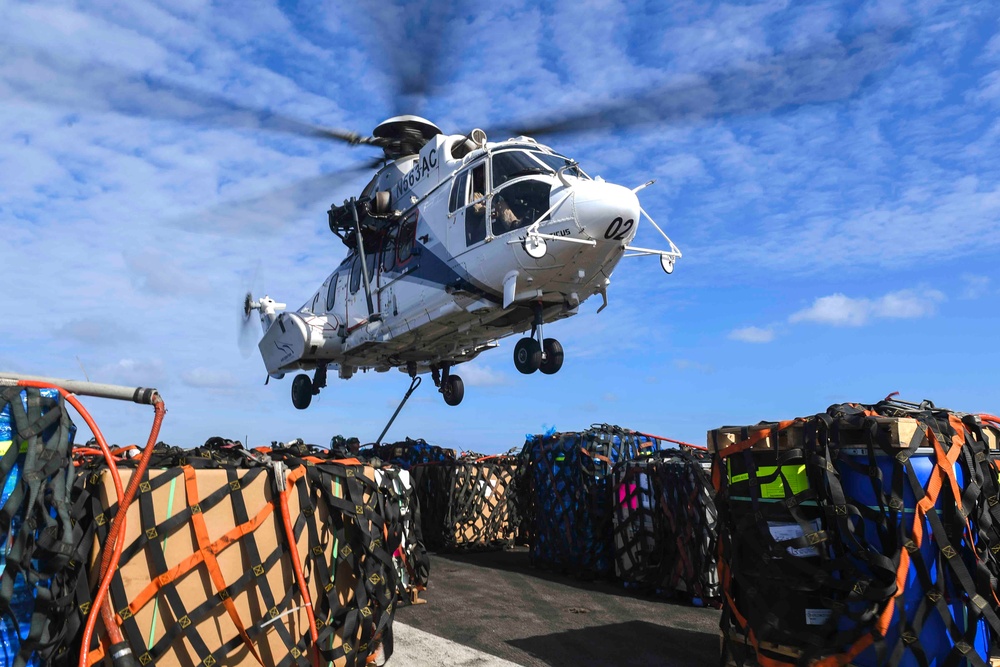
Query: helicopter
{"type": "Point", "coordinates": [460, 240]}
{"type": "Point", "coordinates": [456, 242]}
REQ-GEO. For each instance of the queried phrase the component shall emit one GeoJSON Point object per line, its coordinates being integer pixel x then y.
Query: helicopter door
{"type": "Point", "coordinates": [356, 304]}
{"type": "Point", "coordinates": [468, 208]}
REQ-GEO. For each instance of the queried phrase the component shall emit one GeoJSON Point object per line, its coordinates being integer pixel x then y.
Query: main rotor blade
{"type": "Point", "coordinates": [412, 40]}
{"type": "Point", "coordinates": [93, 86]}
{"type": "Point", "coordinates": [784, 82]}
{"type": "Point", "coordinates": [267, 213]}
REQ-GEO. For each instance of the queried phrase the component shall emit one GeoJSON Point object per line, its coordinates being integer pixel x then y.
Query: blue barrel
{"type": "Point", "coordinates": [934, 638]}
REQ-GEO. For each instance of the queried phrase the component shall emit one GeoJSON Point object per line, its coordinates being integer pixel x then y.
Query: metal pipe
{"type": "Point", "coordinates": [141, 395]}
{"type": "Point", "coordinates": [361, 255]}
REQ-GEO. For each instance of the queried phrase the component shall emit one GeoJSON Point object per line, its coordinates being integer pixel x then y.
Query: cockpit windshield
{"type": "Point", "coordinates": [557, 162]}
{"type": "Point", "coordinates": [516, 163]}
{"type": "Point", "coordinates": [512, 164]}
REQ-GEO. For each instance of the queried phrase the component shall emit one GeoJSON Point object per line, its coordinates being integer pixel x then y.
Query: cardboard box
{"type": "Point", "coordinates": [893, 431]}
{"type": "Point", "coordinates": [270, 605]}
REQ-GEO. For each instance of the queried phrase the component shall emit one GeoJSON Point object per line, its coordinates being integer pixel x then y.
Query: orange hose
{"type": "Point", "coordinates": [117, 534]}
{"type": "Point", "coordinates": [299, 575]}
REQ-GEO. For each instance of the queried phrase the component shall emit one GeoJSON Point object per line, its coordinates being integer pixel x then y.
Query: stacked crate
{"type": "Point", "coordinates": [467, 503]}
{"type": "Point", "coordinates": [278, 556]}
{"type": "Point", "coordinates": [570, 491]}
{"type": "Point", "coordinates": [665, 525]}
{"type": "Point", "coordinates": [842, 540]}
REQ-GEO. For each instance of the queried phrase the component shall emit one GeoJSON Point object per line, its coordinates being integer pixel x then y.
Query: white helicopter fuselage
{"type": "Point", "coordinates": [480, 246]}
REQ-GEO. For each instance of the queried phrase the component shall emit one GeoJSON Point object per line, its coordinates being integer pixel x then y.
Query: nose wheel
{"type": "Point", "coordinates": [527, 356]}
{"type": "Point", "coordinates": [535, 353]}
{"type": "Point", "coordinates": [553, 356]}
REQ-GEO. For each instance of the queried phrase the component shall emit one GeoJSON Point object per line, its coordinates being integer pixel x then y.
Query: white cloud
{"type": "Point", "coordinates": [752, 335]}
{"type": "Point", "coordinates": [132, 373]}
{"type": "Point", "coordinates": [843, 311]}
{"type": "Point", "coordinates": [690, 365]}
{"type": "Point", "coordinates": [975, 286]}
{"type": "Point", "coordinates": [475, 375]}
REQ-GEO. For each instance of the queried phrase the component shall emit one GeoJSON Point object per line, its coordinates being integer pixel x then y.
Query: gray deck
{"type": "Point", "coordinates": [497, 603]}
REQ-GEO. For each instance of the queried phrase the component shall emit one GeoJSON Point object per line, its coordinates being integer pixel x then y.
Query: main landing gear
{"type": "Point", "coordinates": [451, 386]}
{"type": "Point", "coordinates": [536, 353]}
{"type": "Point", "coordinates": [303, 389]}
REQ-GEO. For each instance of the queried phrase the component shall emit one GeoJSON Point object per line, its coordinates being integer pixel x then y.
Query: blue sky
{"type": "Point", "coordinates": [829, 169]}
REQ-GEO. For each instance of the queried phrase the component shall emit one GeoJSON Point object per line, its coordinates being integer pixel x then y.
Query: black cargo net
{"type": "Point", "coordinates": [408, 453]}
{"type": "Point", "coordinates": [344, 532]}
{"type": "Point", "coordinates": [864, 534]}
{"type": "Point", "coordinates": [570, 491]}
{"type": "Point", "coordinates": [665, 525]}
{"type": "Point", "coordinates": [40, 552]}
{"type": "Point", "coordinates": [468, 503]}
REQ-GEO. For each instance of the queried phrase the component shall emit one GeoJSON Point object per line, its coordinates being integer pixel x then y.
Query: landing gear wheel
{"type": "Point", "coordinates": [527, 355]}
{"type": "Point", "coordinates": [302, 391]}
{"type": "Point", "coordinates": [453, 390]}
{"type": "Point", "coordinates": [553, 356]}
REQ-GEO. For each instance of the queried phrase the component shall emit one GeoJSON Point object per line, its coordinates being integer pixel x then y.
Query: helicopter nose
{"type": "Point", "coordinates": [606, 212]}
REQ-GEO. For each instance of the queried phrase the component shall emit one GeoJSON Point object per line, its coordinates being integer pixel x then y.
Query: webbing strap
{"type": "Point", "coordinates": [666, 524]}
{"type": "Point", "coordinates": [570, 486]}
{"type": "Point", "coordinates": [479, 510]}
{"type": "Point", "coordinates": [149, 544]}
{"type": "Point", "coordinates": [852, 578]}
{"type": "Point", "coordinates": [41, 550]}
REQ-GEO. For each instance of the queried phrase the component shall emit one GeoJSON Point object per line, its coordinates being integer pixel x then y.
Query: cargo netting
{"type": "Point", "coordinates": [408, 453]}
{"type": "Point", "coordinates": [569, 489]}
{"type": "Point", "coordinates": [278, 556]}
{"type": "Point", "coordinates": [468, 503]}
{"type": "Point", "coordinates": [665, 525]}
{"type": "Point", "coordinates": [866, 535]}
{"type": "Point", "coordinates": [40, 566]}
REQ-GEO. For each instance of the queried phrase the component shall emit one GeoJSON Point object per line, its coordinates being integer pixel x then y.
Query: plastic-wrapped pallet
{"type": "Point", "coordinates": [468, 503]}
{"type": "Point", "coordinates": [868, 534]}
{"type": "Point", "coordinates": [209, 575]}
{"type": "Point", "coordinates": [571, 499]}
{"type": "Point", "coordinates": [665, 524]}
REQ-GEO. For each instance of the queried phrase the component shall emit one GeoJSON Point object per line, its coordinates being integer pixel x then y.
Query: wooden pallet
{"type": "Point", "coordinates": [894, 431]}
{"type": "Point", "coordinates": [790, 652]}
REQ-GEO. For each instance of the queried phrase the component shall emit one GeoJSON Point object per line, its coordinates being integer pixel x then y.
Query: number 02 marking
{"type": "Point", "coordinates": [617, 230]}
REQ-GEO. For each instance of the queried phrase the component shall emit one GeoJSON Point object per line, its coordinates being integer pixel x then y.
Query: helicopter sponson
{"type": "Point", "coordinates": [452, 247]}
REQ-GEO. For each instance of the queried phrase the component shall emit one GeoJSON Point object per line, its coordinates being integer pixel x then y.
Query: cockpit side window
{"type": "Point", "coordinates": [475, 214]}
{"type": "Point", "coordinates": [511, 164]}
{"type": "Point", "coordinates": [458, 192]}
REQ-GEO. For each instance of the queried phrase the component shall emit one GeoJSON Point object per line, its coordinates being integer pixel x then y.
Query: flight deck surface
{"type": "Point", "coordinates": [496, 603]}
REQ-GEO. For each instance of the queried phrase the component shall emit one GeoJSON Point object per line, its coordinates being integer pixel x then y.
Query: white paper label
{"type": "Point", "coordinates": [818, 616]}
{"type": "Point", "coordinates": [789, 531]}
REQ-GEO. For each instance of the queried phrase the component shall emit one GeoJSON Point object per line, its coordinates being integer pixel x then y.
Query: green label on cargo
{"type": "Point", "coordinates": [795, 475]}
{"type": "Point", "coordinates": [5, 445]}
